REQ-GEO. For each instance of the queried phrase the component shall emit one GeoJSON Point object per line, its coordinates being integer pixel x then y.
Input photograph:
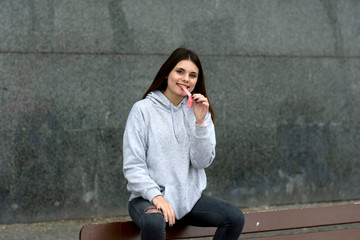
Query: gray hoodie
{"type": "Point", "coordinates": [165, 152]}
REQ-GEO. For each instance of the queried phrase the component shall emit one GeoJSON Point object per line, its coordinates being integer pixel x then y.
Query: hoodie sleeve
{"type": "Point", "coordinates": [134, 157]}
{"type": "Point", "coordinates": [202, 150]}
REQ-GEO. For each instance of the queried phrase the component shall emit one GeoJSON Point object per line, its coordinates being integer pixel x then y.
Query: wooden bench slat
{"type": "Point", "coordinates": [110, 231]}
{"type": "Point", "coordinates": [301, 218]}
{"type": "Point", "coordinates": [129, 231]}
{"type": "Point", "coordinates": [267, 221]}
{"type": "Point", "coordinates": [349, 234]}
{"type": "Point", "coordinates": [190, 232]}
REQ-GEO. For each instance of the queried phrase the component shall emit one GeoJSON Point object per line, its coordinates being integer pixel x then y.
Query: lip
{"type": "Point", "coordinates": [179, 84]}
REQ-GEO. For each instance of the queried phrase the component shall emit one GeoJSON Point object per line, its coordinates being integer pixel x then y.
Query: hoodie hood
{"type": "Point", "coordinates": [163, 103]}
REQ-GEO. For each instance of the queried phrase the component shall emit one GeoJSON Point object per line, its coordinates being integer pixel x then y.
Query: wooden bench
{"type": "Point", "coordinates": [291, 222]}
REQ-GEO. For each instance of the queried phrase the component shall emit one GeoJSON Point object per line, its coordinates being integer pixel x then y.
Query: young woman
{"type": "Point", "coordinates": [166, 146]}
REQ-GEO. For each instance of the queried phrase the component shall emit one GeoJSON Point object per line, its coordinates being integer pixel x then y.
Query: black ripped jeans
{"type": "Point", "coordinates": [207, 212]}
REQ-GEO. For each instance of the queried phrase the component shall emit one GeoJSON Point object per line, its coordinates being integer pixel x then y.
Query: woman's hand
{"type": "Point", "coordinates": [166, 208]}
{"type": "Point", "coordinates": [200, 107]}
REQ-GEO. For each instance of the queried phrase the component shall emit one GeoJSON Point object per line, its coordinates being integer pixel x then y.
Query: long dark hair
{"type": "Point", "coordinates": [160, 80]}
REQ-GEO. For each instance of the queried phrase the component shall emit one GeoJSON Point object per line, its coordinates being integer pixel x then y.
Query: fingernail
{"type": "Point", "coordinates": [166, 220]}
{"type": "Point", "coordinates": [170, 225]}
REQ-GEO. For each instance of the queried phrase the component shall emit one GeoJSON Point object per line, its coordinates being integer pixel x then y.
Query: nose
{"type": "Point", "coordinates": [186, 78]}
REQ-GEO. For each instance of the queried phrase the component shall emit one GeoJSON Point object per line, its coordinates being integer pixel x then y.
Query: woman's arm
{"type": "Point", "coordinates": [135, 168]}
{"type": "Point", "coordinates": [202, 149]}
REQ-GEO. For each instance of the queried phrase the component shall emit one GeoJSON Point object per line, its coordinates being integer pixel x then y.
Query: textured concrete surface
{"type": "Point", "coordinates": [54, 230]}
{"type": "Point", "coordinates": [283, 77]}
{"type": "Point", "coordinates": [321, 27]}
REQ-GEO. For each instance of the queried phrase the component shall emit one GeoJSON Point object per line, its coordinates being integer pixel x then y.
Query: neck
{"type": "Point", "coordinates": [174, 99]}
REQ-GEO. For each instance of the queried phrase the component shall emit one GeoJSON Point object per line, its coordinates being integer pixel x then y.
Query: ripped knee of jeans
{"type": "Point", "coordinates": [152, 209]}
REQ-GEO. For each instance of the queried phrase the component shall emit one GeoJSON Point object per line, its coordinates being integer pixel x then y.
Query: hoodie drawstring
{"type": "Point", "coordinates": [160, 100]}
{"type": "Point", "coordinates": [173, 122]}
{"type": "Point", "coordinates": [187, 125]}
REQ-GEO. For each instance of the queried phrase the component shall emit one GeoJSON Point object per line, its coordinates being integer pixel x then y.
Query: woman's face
{"type": "Point", "coordinates": [185, 73]}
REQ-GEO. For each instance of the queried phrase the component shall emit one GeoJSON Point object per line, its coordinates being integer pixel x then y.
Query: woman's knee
{"type": "Point", "coordinates": [153, 223]}
{"type": "Point", "coordinates": [235, 216]}
{"type": "Point", "coordinates": [239, 218]}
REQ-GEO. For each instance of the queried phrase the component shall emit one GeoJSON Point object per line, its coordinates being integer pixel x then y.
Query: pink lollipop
{"type": "Point", "coordinates": [190, 100]}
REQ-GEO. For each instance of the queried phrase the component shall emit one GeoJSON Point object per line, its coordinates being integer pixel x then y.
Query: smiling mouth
{"type": "Point", "coordinates": [182, 85]}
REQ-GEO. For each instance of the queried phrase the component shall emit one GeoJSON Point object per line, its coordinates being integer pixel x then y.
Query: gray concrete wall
{"type": "Point", "coordinates": [283, 77]}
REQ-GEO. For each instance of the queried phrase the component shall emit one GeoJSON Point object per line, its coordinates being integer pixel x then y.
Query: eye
{"type": "Point", "coordinates": [193, 75]}
{"type": "Point", "coordinates": [180, 71]}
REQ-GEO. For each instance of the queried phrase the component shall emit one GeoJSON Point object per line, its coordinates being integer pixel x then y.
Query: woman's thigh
{"type": "Point", "coordinates": [213, 212]}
